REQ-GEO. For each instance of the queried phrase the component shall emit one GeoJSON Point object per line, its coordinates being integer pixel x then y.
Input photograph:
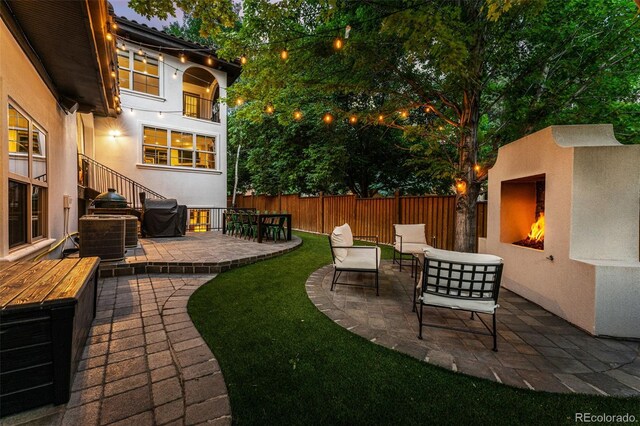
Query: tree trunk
{"type": "Point", "coordinates": [467, 194]}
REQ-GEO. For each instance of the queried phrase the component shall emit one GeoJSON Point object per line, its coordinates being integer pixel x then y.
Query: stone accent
{"type": "Point", "coordinates": [537, 350]}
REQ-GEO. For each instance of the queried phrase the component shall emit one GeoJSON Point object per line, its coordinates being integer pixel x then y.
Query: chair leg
{"type": "Point", "coordinates": [495, 334]}
{"type": "Point", "coordinates": [472, 315]}
{"type": "Point", "coordinates": [415, 290]}
{"type": "Point", "coordinates": [377, 289]}
{"type": "Point", "coordinates": [333, 281]}
{"type": "Point", "coordinates": [420, 320]}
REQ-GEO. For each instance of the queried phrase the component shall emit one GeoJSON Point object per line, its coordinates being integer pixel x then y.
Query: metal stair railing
{"type": "Point", "coordinates": [97, 176]}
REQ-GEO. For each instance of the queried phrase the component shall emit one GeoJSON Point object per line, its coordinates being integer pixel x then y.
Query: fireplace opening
{"type": "Point", "coordinates": [522, 219]}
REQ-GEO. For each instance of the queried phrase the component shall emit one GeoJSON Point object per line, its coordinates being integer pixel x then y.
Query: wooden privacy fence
{"type": "Point", "coordinates": [369, 216]}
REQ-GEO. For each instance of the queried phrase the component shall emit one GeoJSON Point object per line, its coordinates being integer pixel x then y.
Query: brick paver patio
{"type": "Point", "coordinates": [144, 362]}
{"type": "Point", "coordinates": [537, 350]}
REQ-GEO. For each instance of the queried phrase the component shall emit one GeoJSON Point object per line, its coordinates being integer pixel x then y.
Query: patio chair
{"type": "Point", "coordinates": [464, 281]}
{"type": "Point", "coordinates": [350, 258]}
{"type": "Point", "coordinates": [409, 240]}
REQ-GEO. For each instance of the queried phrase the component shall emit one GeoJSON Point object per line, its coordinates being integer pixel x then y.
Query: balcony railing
{"type": "Point", "coordinates": [197, 107]}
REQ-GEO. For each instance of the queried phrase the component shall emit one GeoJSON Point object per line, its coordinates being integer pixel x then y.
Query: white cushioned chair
{"type": "Point", "coordinates": [465, 281]}
{"type": "Point", "coordinates": [350, 258]}
{"type": "Point", "coordinates": [408, 240]}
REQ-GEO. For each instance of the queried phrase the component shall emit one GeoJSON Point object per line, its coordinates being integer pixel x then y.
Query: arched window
{"type": "Point", "coordinates": [200, 93]}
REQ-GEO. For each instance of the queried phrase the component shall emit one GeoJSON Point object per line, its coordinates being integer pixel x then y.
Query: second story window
{"type": "Point", "coordinates": [181, 149]}
{"type": "Point", "coordinates": [140, 73]}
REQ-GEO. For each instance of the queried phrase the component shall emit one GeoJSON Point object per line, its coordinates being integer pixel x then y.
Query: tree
{"type": "Point", "coordinates": [458, 77]}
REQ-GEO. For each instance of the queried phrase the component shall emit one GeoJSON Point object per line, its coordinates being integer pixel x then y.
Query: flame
{"type": "Point", "coordinates": [537, 230]}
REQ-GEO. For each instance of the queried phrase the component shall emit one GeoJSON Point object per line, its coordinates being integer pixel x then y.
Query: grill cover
{"type": "Point", "coordinates": [164, 218]}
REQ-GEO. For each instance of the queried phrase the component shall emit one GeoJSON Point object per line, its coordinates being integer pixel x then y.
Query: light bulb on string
{"type": "Point", "coordinates": [118, 109]}
{"type": "Point", "coordinates": [380, 118]}
{"type": "Point", "coordinates": [208, 90]}
{"type": "Point", "coordinates": [109, 35]}
{"type": "Point", "coordinates": [338, 43]}
{"type": "Point", "coordinates": [183, 58]}
{"type": "Point", "coordinates": [116, 98]}
{"type": "Point", "coordinates": [124, 47]}
{"type": "Point", "coordinates": [239, 101]}
{"type": "Point", "coordinates": [441, 128]}
{"type": "Point", "coordinates": [353, 119]}
{"type": "Point", "coordinates": [404, 114]}
{"type": "Point", "coordinates": [284, 55]}
{"type": "Point", "coordinates": [144, 58]}
{"type": "Point", "coordinates": [269, 109]}
{"type": "Point", "coordinates": [477, 168]}
{"type": "Point", "coordinates": [113, 74]}
{"type": "Point", "coordinates": [160, 57]}
{"type": "Point", "coordinates": [328, 118]}
{"type": "Point", "coordinates": [209, 60]}
{"type": "Point", "coordinates": [114, 26]}
{"type": "Point", "coordinates": [140, 52]}
{"type": "Point", "coordinates": [297, 115]}
{"type": "Point", "coordinates": [175, 74]}
{"type": "Point", "coordinates": [243, 60]}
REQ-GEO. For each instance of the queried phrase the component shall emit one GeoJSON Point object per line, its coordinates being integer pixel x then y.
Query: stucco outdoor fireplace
{"type": "Point", "coordinates": [578, 189]}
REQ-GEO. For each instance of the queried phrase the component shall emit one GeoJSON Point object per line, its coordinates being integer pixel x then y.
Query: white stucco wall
{"type": "Point", "coordinates": [193, 187]}
{"type": "Point", "coordinates": [20, 82]}
{"type": "Point", "coordinates": [592, 200]}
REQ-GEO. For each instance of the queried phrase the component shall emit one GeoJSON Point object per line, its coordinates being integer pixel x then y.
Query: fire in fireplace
{"type": "Point", "coordinates": [535, 237]}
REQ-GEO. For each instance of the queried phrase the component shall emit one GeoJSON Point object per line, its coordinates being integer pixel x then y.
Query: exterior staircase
{"type": "Point", "coordinates": [95, 178]}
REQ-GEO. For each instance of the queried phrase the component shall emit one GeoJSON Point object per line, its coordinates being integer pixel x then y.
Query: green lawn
{"type": "Point", "coordinates": [285, 363]}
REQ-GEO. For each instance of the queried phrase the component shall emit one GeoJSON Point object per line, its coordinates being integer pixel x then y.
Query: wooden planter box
{"type": "Point", "coordinates": [46, 311]}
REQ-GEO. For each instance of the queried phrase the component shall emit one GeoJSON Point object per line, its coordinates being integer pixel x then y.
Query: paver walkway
{"type": "Point", "coordinates": [537, 350]}
{"type": "Point", "coordinates": [144, 362]}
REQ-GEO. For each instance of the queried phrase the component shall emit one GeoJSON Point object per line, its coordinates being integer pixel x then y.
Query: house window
{"type": "Point", "coordinates": [199, 220]}
{"type": "Point", "coordinates": [27, 179]}
{"type": "Point", "coordinates": [140, 73]}
{"type": "Point", "coordinates": [179, 149]}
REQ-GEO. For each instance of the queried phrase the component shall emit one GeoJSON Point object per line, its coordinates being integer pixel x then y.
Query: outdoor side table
{"type": "Point", "coordinates": [46, 311]}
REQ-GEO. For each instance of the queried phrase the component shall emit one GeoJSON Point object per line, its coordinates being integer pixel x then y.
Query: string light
{"type": "Point", "coordinates": [297, 115]}
{"type": "Point", "coordinates": [353, 119]}
{"type": "Point", "coordinates": [109, 35]}
{"type": "Point", "coordinates": [243, 60]}
{"type": "Point", "coordinates": [175, 74]}
{"type": "Point", "coordinates": [208, 90]}
{"type": "Point", "coordinates": [113, 74]}
{"type": "Point", "coordinates": [124, 46]}
{"type": "Point", "coordinates": [269, 109]}
{"type": "Point", "coordinates": [461, 186]}
{"type": "Point", "coordinates": [209, 60]}
{"type": "Point", "coordinates": [381, 118]}
{"type": "Point", "coordinates": [183, 59]}
{"type": "Point", "coordinates": [140, 52]}
{"type": "Point", "coordinates": [427, 108]}
{"type": "Point", "coordinates": [404, 114]}
{"type": "Point", "coordinates": [116, 98]}
{"type": "Point", "coordinates": [114, 26]}
{"type": "Point", "coordinates": [284, 55]}
{"type": "Point", "coordinates": [440, 128]}
{"type": "Point", "coordinates": [144, 59]}
{"type": "Point", "coordinates": [239, 101]}
{"type": "Point", "coordinates": [118, 109]}
{"type": "Point", "coordinates": [477, 168]}
{"type": "Point", "coordinates": [328, 118]}
{"type": "Point", "coordinates": [338, 43]}
{"type": "Point", "coordinates": [160, 57]}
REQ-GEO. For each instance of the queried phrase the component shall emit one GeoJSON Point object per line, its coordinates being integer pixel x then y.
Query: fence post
{"type": "Point", "coordinates": [398, 207]}
{"type": "Point", "coordinates": [322, 212]}
{"type": "Point", "coordinates": [280, 201]}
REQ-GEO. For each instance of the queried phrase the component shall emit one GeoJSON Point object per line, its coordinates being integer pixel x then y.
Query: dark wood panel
{"type": "Point", "coordinates": [38, 375]}
{"type": "Point", "coordinates": [15, 359]}
{"type": "Point", "coordinates": [21, 401]}
{"type": "Point", "coordinates": [24, 332]}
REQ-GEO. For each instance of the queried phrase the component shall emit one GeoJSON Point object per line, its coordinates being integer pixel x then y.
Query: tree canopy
{"type": "Point", "coordinates": [457, 78]}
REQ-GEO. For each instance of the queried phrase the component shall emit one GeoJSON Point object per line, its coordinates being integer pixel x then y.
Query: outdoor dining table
{"type": "Point", "coordinates": [260, 218]}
